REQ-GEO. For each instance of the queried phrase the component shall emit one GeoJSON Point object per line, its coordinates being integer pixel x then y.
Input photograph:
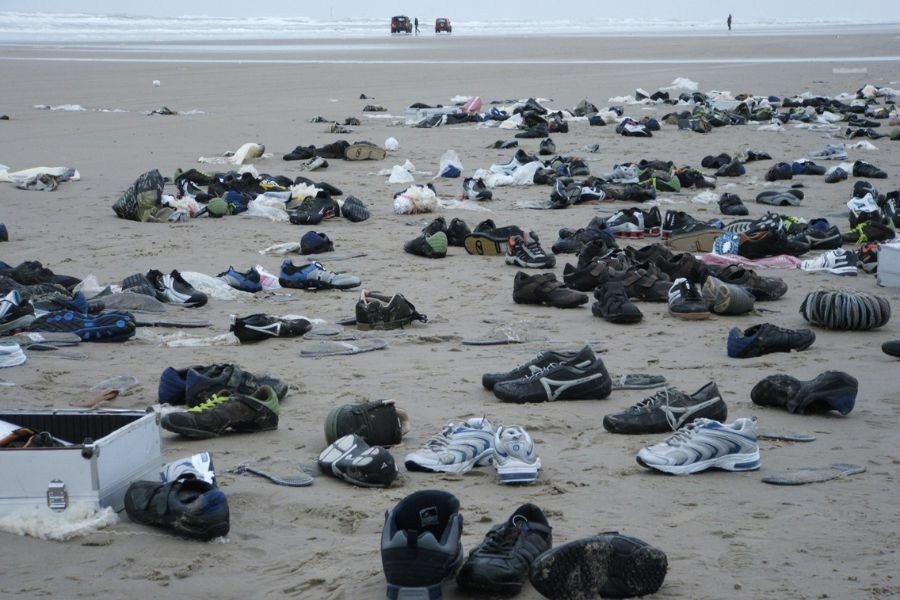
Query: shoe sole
{"type": "Point", "coordinates": [364, 152]}
{"type": "Point", "coordinates": [485, 458]}
{"type": "Point", "coordinates": [719, 299]}
{"type": "Point", "coordinates": [694, 242]}
{"type": "Point", "coordinates": [382, 326]}
{"type": "Point", "coordinates": [748, 461]}
{"type": "Point", "coordinates": [586, 568]}
{"type": "Point", "coordinates": [518, 471]}
{"type": "Point", "coordinates": [20, 323]}
{"type": "Point", "coordinates": [482, 245]}
{"type": "Point", "coordinates": [689, 316]}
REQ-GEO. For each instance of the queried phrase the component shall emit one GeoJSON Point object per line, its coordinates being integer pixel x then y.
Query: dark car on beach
{"type": "Point", "coordinates": [401, 24]}
{"type": "Point", "coordinates": [442, 25]}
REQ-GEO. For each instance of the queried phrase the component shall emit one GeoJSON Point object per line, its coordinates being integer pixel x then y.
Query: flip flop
{"type": "Point", "coordinates": [7, 383]}
{"type": "Point", "coordinates": [189, 323]}
{"type": "Point", "coordinates": [786, 436]}
{"type": "Point", "coordinates": [814, 474]}
{"type": "Point", "coordinates": [51, 338]}
{"type": "Point", "coordinates": [123, 384]}
{"type": "Point", "coordinates": [334, 348]}
{"type": "Point", "coordinates": [48, 351]}
{"type": "Point", "coordinates": [638, 381]}
{"type": "Point", "coordinates": [303, 480]}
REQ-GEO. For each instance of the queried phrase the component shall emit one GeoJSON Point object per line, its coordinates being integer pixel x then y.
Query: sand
{"type": "Point", "coordinates": [725, 534]}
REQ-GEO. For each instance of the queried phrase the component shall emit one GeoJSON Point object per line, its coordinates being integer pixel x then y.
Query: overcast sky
{"type": "Point", "coordinates": [476, 10]}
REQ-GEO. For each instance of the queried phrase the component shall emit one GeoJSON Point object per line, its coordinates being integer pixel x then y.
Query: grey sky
{"type": "Point", "coordinates": [476, 10]}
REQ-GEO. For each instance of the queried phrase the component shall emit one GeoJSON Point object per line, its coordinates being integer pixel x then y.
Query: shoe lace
{"type": "Point", "coordinates": [533, 247]}
{"type": "Point", "coordinates": [501, 541]}
{"type": "Point", "coordinates": [209, 403]}
{"type": "Point", "coordinates": [661, 399]}
{"type": "Point", "coordinates": [540, 373]}
{"type": "Point", "coordinates": [686, 433]}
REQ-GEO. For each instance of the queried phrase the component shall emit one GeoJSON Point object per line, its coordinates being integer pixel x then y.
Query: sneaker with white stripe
{"type": "Point", "coordinates": [514, 455]}
{"type": "Point", "coordinates": [840, 261]}
{"type": "Point", "coordinates": [705, 444]}
{"type": "Point", "coordinates": [456, 449]}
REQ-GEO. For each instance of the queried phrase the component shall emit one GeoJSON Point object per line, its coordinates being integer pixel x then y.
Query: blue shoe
{"type": "Point", "coordinates": [246, 282]}
{"type": "Point", "coordinates": [314, 276]}
{"type": "Point", "coordinates": [110, 326]}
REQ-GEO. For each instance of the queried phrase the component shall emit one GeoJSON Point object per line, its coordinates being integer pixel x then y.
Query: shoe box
{"type": "Point", "coordinates": [889, 265]}
{"type": "Point", "coordinates": [106, 450]}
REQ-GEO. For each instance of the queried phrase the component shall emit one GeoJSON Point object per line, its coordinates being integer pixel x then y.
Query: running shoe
{"type": "Point", "coordinates": [582, 377]}
{"type": "Point", "coordinates": [668, 410]}
{"type": "Point", "coordinates": [172, 288]}
{"type": "Point", "coordinates": [705, 444]}
{"type": "Point", "coordinates": [14, 313]}
{"type": "Point", "coordinates": [514, 455]}
{"type": "Point", "coordinates": [258, 327]}
{"type": "Point", "coordinates": [766, 338]}
{"type": "Point", "coordinates": [528, 254]}
{"type": "Point", "coordinates": [226, 411]}
{"type": "Point", "coordinates": [248, 281]}
{"type": "Point", "coordinates": [314, 276]}
{"type": "Point", "coordinates": [350, 458]}
{"type": "Point", "coordinates": [456, 449]}
{"type": "Point", "coordinates": [838, 262]}
{"type": "Point", "coordinates": [544, 358]}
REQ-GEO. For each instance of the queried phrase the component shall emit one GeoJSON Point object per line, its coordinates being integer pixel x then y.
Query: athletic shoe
{"type": "Point", "coordinates": [224, 411]}
{"type": "Point", "coordinates": [891, 348]}
{"type": "Point", "coordinates": [500, 563]}
{"type": "Point", "coordinates": [627, 223]}
{"type": "Point", "coordinates": [354, 210]}
{"type": "Point", "coordinates": [379, 422]}
{"type": "Point", "coordinates": [583, 377]}
{"type": "Point", "coordinates": [198, 465]}
{"type": "Point", "coordinates": [668, 410]}
{"type": "Point", "coordinates": [726, 298]}
{"type": "Point", "coordinates": [172, 288]}
{"type": "Point", "coordinates": [643, 281]}
{"type": "Point", "coordinates": [109, 326]}
{"type": "Point", "coordinates": [313, 209]}
{"type": "Point", "coordinates": [685, 301]}
{"type": "Point", "coordinates": [768, 242]}
{"type": "Point", "coordinates": [514, 455]}
{"type": "Point", "coordinates": [437, 224]}
{"type": "Point", "coordinates": [377, 311]}
{"type": "Point", "coordinates": [476, 189]}
{"type": "Point", "coordinates": [838, 262]}
{"type": "Point", "coordinates": [528, 254]}
{"type": "Point", "coordinates": [863, 169]}
{"type": "Point", "coordinates": [429, 246]}
{"type": "Point", "coordinates": [830, 152]}
{"type": "Point", "coordinates": [685, 265]}
{"type": "Point", "coordinates": [544, 358]}
{"type": "Point", "coordinates": [705, 444]}
{"type": "Point", "coordinates": [609, 565]}
{"type": "Point", "coordinates": [545, 289]}
{"type": "Point", "coordinates": [870, 231]}
{"type": "Point", "coordinates": [457, 449]}
{"type": "Point", "coordinates": [245, 282]}
{"type": "Point", "coordinates": [420, 544]}
{"type": "Point", "coordinates": [313, 276]}
{"type": "Point", "coordinates": [828, 238]}
{"type": "Point", "coordinates": [614, 305]}
{"type": "Point", "coordinates": [652, 222]}
{"type": "Point", "coordinates": [11, 355]}
{"type": "Point", "coordinates": [314, 242]}
{"type": "Point", "coordinates": [519, 159]}
{"type": "Point", "coordinates": [258, 327]}
{"type": "Point", "coordinates": [762, 288]}
{"type": "Point", "coordinates": [193, 385]}
{"type": "Point", "coordinates": [188, 506]}
{"type": "Point", "coordinates": [766, 339]}
{"type": "Point", "coordinates": [832, 390]}
{"type": "Point", "coordinates": [14, 313]}
{"type": "Point", "coordinates": [547, 147]}
{"type": "Point", "coordinates": [350, 458]}
{"type": "Point", "coordinates": [457, 232]}
{"type": "Point", "coordinates": [731, 205]}
{"type": "Point", "coordinates": [835, 174]}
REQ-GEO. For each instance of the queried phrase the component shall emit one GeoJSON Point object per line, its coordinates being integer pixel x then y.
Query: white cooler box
{"type": "Point", "coordinates": [889, 265]}
{"type": "Point", "coordinates": [110, 449]}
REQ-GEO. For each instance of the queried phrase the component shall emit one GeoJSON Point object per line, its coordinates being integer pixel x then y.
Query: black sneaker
{"type": "Point", "coordinates": [314, 209]}
{"type": "Point", "coordinates": [457, 232]}
{"type": "Point", "coordinates": [475, 189]}
{"type": "Point", "coordinates": [544, 358]}
{"type": "Point", "coordinates": [354, 210]}
{"type": "Point", "coordinates": [172, 288]}
{"type": "Point", "coordinates": [686, 302]}
{"type": "Point", "coordinates": [614, 305]}
{"type": "Point", "coordinates": [420, 544]}
{"type": "Point", "coordinates": [762, 288]}
{"type": "Point", "coordinates": [544, 288]}
{"type": "Point", "coordinates": [379, 422]}
{"type": "Point", "coordinates": [819, 239]}
{"type": "Point", "coordinates": [608, 565]}
{"type": "Point", "coordinates": [528, 254]}
{"type": "Point", "coordinates": [863, 169]}
{"type": "Point", "coordinates": [428, 245]}
{"type": "Point", "coordinates": [769, 242]}
{"type": "Point", "coordinates": [767, 338]}
{"type": "Point", "coordinates": [835, 175]}
{"type": "Point", "coordinates": [314, 242]}
{"type": "Point", "coordinates": [586, 278]}
{"type": "Point", "coordinates": [258, 327]}
{"type": "Point", "coordinates": [731, 205]}
{"type": "Point", "coordinates": [500, 564]}
{"type": "Point", "coordinates": [377, 311]}
{"type": "Point", "coordinates": [15, 313]}
{"type": "Point", "coordinates": [547, 147]}
{"type": "Point", "coordinates": [583, 377]}
{"type": "Point", "coordinates": [189, 506]}
{"type": "Point", "coordinates": [832, 390]}
{"type": "Point", "coordinates": [226, 411]}
{"type": "Point", "coordinates": [668, 410]}
{"type": "Point", "coordinates": [350, 458]}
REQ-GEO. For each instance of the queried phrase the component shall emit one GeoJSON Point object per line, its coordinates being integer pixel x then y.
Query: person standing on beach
{"type": "Point", "coordinates": [416, 23]}
{"type": "Point", "coordinates": [728, 20]}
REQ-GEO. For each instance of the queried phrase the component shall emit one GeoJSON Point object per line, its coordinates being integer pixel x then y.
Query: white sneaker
{"type": "Point", "coordinates": [705, 444]}
{"type": "Point", "coordinates": [839, 261]}
{"type": "Point", "coordinates": [199, 465]}
{"type": "Point", "coordinates": [456, 449]}
{"type": "Point", "coordinates": [514, 455]}
{"type": "Point", "coordinates": [11, 355]}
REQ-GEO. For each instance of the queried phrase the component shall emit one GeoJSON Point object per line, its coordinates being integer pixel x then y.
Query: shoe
{"type": "Point", "coordinates": [609, 565]}
{"type": "Point", "coordinates": [685, 301]}
{"type": "Point", "coordinates": [11, 355]}
{"type": "Point", "coordinates": [224, 411]}
{"type": "Point", "coordinates": [514, 456]}
{"type": "Point", "coordinates": [731, 205]}
{"type": "Point", "coordinates": [678, 222]}
{"type": "Point", "coordinates": [837, 262]}
{"type": "Point", "coordinates": [194, 385]}
{"type": "Point", "coordinates": [437, 225]}
{"type": "Point", "coordinates": [863, 169]}
{"type": "Point", "coordinates": [628, 223]}
{"type": "Point", "coordinates": [457, 232]}
{"type": "Point", "coordinates": [768, 242]}
{"type": "Point", "coordinates": [870, 231]}
{"type": "Point", "coordinates": [350, 458]}
{"type": "Point", "coordinates": [364, 151]}
{"type": "Point", "coordinates": [258, 327]}
{"type": "Point", "coordinates": [583, 377]}
{"type": "Point", "coordinates": [420, 545]}
{"type": "Point", "coordinates": [14, 313]}
{"type": "Point", "coordinates": [476, 189]}
{"type": "Point", "coordinates": [789, 197]}
{"type": "Point", "coordinates": [767, 338]}
{"type": "Point", "coordinates": [832, 390]}
{"type": "Point", "coordinates": [108, 326]}
{"type": "Point", "coordinates": [528, 254]}
{"type": "Point", "coordinates": [456, 449]}
{"type": "Point", "coordinates": [807, 167]}
{"type": "Point", "coordinates": [188, 506]}
{"type": "Point", "coordinates": [845, 311]}
{"type": "Point", "coordinates": [429, 246]}
{"type": "Point", "coordinates": [377, 311]}
{"type": "Point", "coordinates": [819, 239]}
{"type": "Point", "coordinates": [668, 410]}
{"type": "Point", "coordinates": [500, 563]}
{"type": "Point", "coordinates": [779, 172]}
{"type": "Point", "coordinates": [489, 240]}
{"type": "Point", "coordinates": [705, 444]}
{"type": "Point", "coordinates": [314, 209]}
{"type": "Point", "coordinates": [172, 288]}
{"type": "Point", "coordinates": [379, 422]}
{"type": "Point", "coordinates": [830, 152]}
{"type": "Point", "coordinates": [138, 284]}
{"type": "Point", "coordinates": [613, 304]}
{"type": "Point", "coordinates": [519, 159]}
{"type": "Point", "coordinates": [313, 276]}
{"type": "Point", "coordinates": [684, 265]}
{"type": "Point", "coordinates": [735, 168]}
{"type": "Point", "coordinates": [354, 210]}
{"type": "Point", "coordinates": [547, 147]}
{"type": "Point", "coordinates": [762, 288]}
{"type": "Point", "coordinates": [644, 281]}
{"type": "Point", "coordinates": [726, 298]}
{"type": "Point", "coordinates": [835, 175]}
{"type": "Point", "coordinates": [545, 289]}
{"type": "Point", "coordinates": [544, 358]}
{"type": "Point", "coordinates": [245, 282]}
{"type": "Point", "coordinates": [891, 348]}
{"type": "Point", "coordinates": [314, 242]}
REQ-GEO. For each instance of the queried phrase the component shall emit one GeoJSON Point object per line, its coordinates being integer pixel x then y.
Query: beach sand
{"type": "Point", "coordinates": [727, 535]}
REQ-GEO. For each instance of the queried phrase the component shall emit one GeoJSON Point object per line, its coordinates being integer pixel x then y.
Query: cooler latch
{"type": "Point", "coordinates": [57, 496]}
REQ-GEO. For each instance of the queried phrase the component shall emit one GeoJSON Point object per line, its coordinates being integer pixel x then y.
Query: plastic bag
{"type": "Point", "coordinates": [416, 199]}
{"type": "Point", "coordinates": [391, 144]}
{"type": "Point", "coordinates": [450, 165]}
{"type": "Point", "coordinates": [213, 286]}
{"type": "Point", "coordinates": [400, 175]}
{"type": "Point", "coordinates": [267, 208]}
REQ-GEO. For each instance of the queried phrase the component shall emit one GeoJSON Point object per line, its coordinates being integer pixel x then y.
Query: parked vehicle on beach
{"type": "Point", "coordinates": [442, 25]}
{"type": "Point", "coordinates": [401, 24]}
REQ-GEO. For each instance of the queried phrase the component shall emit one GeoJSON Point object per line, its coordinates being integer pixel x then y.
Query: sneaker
{"type": "Point", "coordinates": [547, 147]}
{"type": "Point", "coordinates": [685, 301]}
{"type": "Point", "coordinates": [476, 189]}
{"type": "Point", "coordinates": [528, 254]}
{"type": "Point", "coordinates": [870, 231]}
{"type": "Point", "coordinates": [314, 209]}
{"type": "Point", "coordinates": [832, 390]}
{"type": "Point", "coordinates": [108, 326]}
{"type": "Point", "coordinates": [628, 223]}
{"type": "Point", "coordinates": [726, 298]}
{"type": "Point", "coordinates": [514, 455]}
{"type": "Point", "coordinates": [835, 174]}
{"type": "Point", "coordinates": [820, 239]}
{"type": "Point", "coordinates": [172, 288]}
{"type": "Point", "coordinates": [313, 276]}
{"type": "Point", "coordinates": [684, 265]}
{"type": "Point", "coordinates": [226, 411]}
{"type": "Point", "coordinates": [188, 506]}
{"type": "Point", "coordinates": [377, 311]}
{"type": "Point", "coordinates": [11, 355]}
{"type": "Point", "coordinates": [245, 282]}
{"type": "Point", "coordinates": [838, 262]}
{"type": "Point", "coordinates": [767, 338]}
{"type": "Point", "coordinates": [762, 288]}
{"type": "Point", "coordinates": [258, 327]}
{"type": "Point", "coordinates": [545, 289]}
{"type": "Point", "coordinates": [354, 210]}
{"type": "Point", "coordinates": [863, 169]}
{"type": "Point", "coordinates": [457, 232]}
{"type": "Point", "coordinates": [194, 385]}
{"type": "Point", "coordinates": [544, 358]}
{"type": "Point", "coordinates": [14, 313]}
{"type": "Point", "coordinates": [609, 565]}
{"type": "Point", "coordinates": [500, 563]}
{"type": "Point", "coordinates": [731, 205]}
{"type": "Point", "coordinates": [198, 465]}
{"type": "Point", "coordinates": [420, 544]}
{"type": "Point", "coordinates": [583, 377]}
{"type": "Point", "coordinates": [379, 423]}
{"type": "Point", "coordinates": [429, 246]}
{"type": "Point", "coordinates": [891, 348]}
{"type": "Point", "coordinates": [456, 449]}
{"type": "Point", "coordinates": [350, 458]}
{"type": "Point", "coordinates": [519, 159]}
{"type": "Point", "coordinates": [668, 410]}
{"type": "Point", "coordinates": [314, 242]}
{"type": "Point", "coordinates": [705, 444]}
{"type": "Point", "coordinates": [614, 305]}
{"type": "Point", "coordinates": [830, 152]}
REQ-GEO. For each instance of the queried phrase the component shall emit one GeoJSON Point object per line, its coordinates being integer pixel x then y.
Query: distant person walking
{"type": "Point", "coordinates": [416, 23]}
{"type": "Point", "coordinates": [728, 20]}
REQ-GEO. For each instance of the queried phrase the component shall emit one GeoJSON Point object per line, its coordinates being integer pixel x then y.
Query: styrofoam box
{"type": "Point", "coordinates": [889, 264]}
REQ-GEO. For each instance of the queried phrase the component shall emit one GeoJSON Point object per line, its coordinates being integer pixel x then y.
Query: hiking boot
{"type": "Point", "coordinates": [314, 276]}
{"type": "Point", "coordinates": [668, 410]}
{"type": "Point", "coordinates": [731, 205]}
{"type": "Point", "coordinates": [863, 169]}
{"type": "Point", "coordinates": [767, 338]}
{"type": "Point", "coordinates": [429, 246]}
{"type": "Point", "coordinates": [545, 289]}
{"type": "Point", "coordinates": [528, 254]}
{"type": "Point", "coordinates": [379, 422]}
{"type": "Point", "coordinates": [582, 377]}
{"type": "Point", "coordinates": [377, 311]}
{"type": "Point", "coordinates": [249, 281]}
{"type": "Point", "coordinates": [726, 298]}
{"type": "Point", "coordinates": [188, 506]}
{"type": "Point", "coordinates": [685, 301]}
{"type": "Point", "coordinates": [762, 288]}
{"type": "Point", "coordinates": [608, 565]}
{"type": "Point", "coordinates": [547, 147]}
{"type": "Point", "coordinates": [614, 305]}
{"type": "Point", "coordinates": [172, 288]}
{"type": "Point", "coordinates": [224, 411]}
{"type": "Point", "coordinates": [832, 390]}
{"type": "Point", "coordinates": [457, 232]}
{"type": "Point", "coordinates": [350, 458]}
{"type": "Point", "coordinates": [500, 563]}
{"type": "Point", "coordinates": [258, 327]}
{"type": "Point", "coordinates": [684, 265]}
{"type": "Point", "coordinates": [354, 210]}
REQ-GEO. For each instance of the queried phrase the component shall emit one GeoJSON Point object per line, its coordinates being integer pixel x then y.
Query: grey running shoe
{"type": "Point", "coordinates": [668, 410]}
{"type": "Point", "coordinates": [705, 444]}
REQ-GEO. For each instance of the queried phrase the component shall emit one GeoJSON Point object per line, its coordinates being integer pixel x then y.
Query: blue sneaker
{"type": "Point", "coordinates": [314, 276]}
{"type": "Point", "coordinates": [246, 282]}
{"type": "Point", "coordinates": [110, 326]}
